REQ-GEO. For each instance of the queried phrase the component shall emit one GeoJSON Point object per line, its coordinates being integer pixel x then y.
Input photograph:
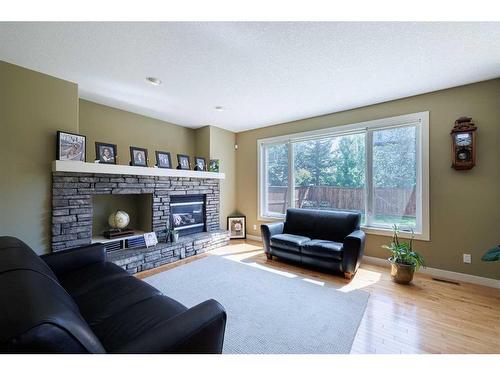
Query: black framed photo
{"type": "Point", "coordinates": [163, 159]}
{"type": "Point", "coordinates": [105, 153]}
{"type": "Point", "coordinates": [237, 227]}
{"type": "Point", "coordinates": [183, 161]}
{"type": "Point", "coordinates": [71, 146]}
{"type": "Point", "coordinates": [138, 156]}
{"type": "Point", "coordinates": [213, 165]}
{"type": "Point", "coordinates": [200, 163]}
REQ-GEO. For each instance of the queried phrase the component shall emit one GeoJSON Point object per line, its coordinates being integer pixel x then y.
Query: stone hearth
{"type": "Point", "coordinates": [136, 260]}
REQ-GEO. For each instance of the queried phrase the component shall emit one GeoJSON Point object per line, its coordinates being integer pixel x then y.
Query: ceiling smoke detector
{"type": "Point", "coordinates": [154, 81]}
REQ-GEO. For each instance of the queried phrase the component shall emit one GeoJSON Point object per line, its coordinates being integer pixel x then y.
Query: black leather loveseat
{"type": "Point", "coordinates": [326, 239]}
{"type": "Point", "coordinates": [75, 302]}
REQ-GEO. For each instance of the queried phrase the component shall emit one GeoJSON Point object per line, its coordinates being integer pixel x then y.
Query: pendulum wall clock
{"type": "Point", "coordinates": [463, 144]}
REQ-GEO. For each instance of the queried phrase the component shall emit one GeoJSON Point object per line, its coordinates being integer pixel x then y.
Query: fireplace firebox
{"type": "Point", "coordinates": [188, 214]}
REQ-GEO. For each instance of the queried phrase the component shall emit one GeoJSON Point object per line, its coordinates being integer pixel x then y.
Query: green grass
{"type": "Point", "coordinates": [404, 222]}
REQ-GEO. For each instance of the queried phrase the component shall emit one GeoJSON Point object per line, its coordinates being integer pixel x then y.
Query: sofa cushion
{"type": "Point", "coordinates": [115, 295]}
{"type": "Point", "coordinates": [323, 249]}
{"type": "Point", "coordinates": [289, 242]}
{"type": "Point", "coordinates": [300, 222]}
{"type": "Point", "coordinates": [88, 278]}
{"type": "Point", "coordinates": [125, 326]}
{"type": "Point", "coordinates": [16, 255]}
{"type": "Point", "coordinates": [38, 315]}
{"type": "Point", "coordinates": [335, 225]}
{"type": "Point", "coordinates": [321, 224]}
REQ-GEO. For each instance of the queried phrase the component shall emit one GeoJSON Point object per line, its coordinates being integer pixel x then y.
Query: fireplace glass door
{"type": "Point", "coordinates": [188, 214]}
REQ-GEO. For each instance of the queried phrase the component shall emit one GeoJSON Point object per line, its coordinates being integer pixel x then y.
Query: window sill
{"type": "Point", "coordinates": [271, 218]}
{"type": "Point", "coordinates": [387, 232]}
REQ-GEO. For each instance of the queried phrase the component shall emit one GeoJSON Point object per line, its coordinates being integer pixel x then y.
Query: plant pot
{"type": "Point", "coordinates": [174, 237]}
{"type": "Point", "coordinates": [402, 273]}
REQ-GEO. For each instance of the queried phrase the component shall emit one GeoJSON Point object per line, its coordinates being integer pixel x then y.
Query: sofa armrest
{"type": "Point", "coordinates": [65, 261]}
{"type": "Point", "coordinates": [199, 330]}
{"type": "Point", "coordinates": [354, 247]}
{"type": "Point", "coordinates": [269, 230]}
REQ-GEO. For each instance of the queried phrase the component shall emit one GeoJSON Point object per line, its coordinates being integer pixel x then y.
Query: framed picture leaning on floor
{"type": "Point", "coordinates": [237, 227]}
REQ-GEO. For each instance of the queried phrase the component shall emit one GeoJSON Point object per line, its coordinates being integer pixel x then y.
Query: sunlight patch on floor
{"type": "Point", "coordinates": [362, 279]}
{"type": "Point", "coordinates": [316, 282]}
{"type": "Point", "coordinates": [238, 248]}
{"type": "Point", "coordinates": [269, 269]}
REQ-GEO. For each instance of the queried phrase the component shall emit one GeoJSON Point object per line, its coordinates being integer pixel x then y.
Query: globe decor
{"type": "Point", "coordinates": [118, 222]}
{"type": "Point", "coordinates": [492, 255]}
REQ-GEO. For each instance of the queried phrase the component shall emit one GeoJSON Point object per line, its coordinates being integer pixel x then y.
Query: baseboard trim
{"type": "Point", "coordinates": [254, 238]}
{"type": "Point", "coordinates": [436, 272]}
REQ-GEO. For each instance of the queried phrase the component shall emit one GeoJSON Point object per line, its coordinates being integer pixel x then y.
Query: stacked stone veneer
{"type": "Point", "coordinates": [136, 260]}
{"type": "Point", "coordinates": [72, 209]}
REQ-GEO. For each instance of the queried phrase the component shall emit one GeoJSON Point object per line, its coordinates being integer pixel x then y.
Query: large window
{"type": "Point", "coordinates": [378, 168]}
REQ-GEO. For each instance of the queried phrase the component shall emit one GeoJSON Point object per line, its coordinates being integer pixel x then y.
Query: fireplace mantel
{"type": "Point", "coordinates": [113, 169]}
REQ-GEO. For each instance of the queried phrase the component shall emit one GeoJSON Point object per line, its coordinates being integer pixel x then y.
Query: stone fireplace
{"type": "Point", "coordinates": [185, 200]}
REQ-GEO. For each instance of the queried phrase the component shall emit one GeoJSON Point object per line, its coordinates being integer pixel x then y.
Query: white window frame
{"type": "Point", "coordinates": [420, 120]}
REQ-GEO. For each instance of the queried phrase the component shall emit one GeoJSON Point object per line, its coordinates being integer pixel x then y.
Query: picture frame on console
{"type": "Point", "coordinates": [200, 164]}
{"type": "Point", "coordinates": [213, 165]}
{"type": "Point", "coordinates": [163, 159]}
{"type": "Point", "coordinates": [183, 162]}
{"type": "Point", "coordinates": [106, 153]}
{"type": "Point", "coordinates": [71, 146]}
{"type": "Point", "coordinates": [237, 227]}
{"type": "Point", "coordinates": [138, 156]}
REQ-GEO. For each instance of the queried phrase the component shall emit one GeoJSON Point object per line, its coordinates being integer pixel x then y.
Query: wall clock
{"type": "Point", "coordinates": [463, 144]}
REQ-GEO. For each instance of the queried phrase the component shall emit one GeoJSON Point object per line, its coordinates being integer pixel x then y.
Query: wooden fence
{"type": "Point", "coordinates": [388, 201]}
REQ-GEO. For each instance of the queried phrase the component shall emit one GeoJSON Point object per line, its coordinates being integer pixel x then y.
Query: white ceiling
{"type": "Point", "coordinates": [261, 73]}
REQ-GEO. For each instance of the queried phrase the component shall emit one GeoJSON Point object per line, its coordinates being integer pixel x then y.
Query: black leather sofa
{"type": "Point", "coordinates": [75, 301]}
{"type": "Point", "coordinates": [328, 239]}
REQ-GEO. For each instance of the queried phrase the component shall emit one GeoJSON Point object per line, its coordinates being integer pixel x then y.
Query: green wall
{"type": "Point", "coordinates": [110, 125]}
{"type": "Point", "coordinates": [465, 205]}
{"type": "Point", "coordinates": [216, 143]}
{"type": "Point", "coordinates": [33, 107]}
{"type": "Point", "coordinates": [222, 147]}
{"type": "Point", "coordinates": [202, 143]}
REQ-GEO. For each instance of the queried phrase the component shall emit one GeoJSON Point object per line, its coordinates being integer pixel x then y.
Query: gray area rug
{"type": "Point", "coordinates": [268, 311]}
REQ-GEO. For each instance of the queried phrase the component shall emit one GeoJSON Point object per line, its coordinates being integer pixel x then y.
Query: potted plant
{"type": "Point", "coordinates": [492, 255]}
{"type": "Point", "coordinates": [404, 260]}
{"type": "Point", "coordinates": [174, 235]}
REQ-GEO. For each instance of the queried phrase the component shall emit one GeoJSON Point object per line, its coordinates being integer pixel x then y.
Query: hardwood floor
{"type": "Point", "coordinates": [426, 317]}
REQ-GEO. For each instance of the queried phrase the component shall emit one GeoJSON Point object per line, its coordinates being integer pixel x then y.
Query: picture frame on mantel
{"type": "Point", "coordinates": [138, 156]}
{"type": "Point", "coordinates": [213, 165]}
{"type": "Point", "coordinates": [163, 159]}
{"type": "Point", "coordinates": [71, 146]}
{"type": "Point", "coordinates": [183, 162]}
{"type": "Point", "coordinates": [105, 153]}
{"type": "Point", "coordinates": [200, 164]}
